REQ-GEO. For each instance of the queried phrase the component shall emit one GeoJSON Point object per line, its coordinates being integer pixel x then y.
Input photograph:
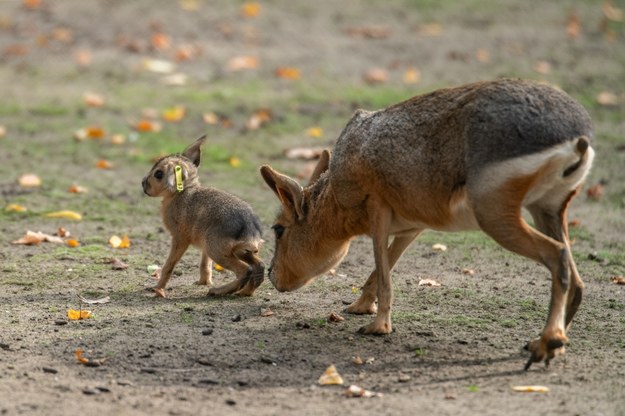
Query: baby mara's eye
{"type": "Point", "coordinates": [279, 230]}
{"type": "Point", "coordinates": [158, 174]}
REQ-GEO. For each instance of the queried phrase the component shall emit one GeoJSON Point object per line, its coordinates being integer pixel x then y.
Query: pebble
{"type": "Point", "coordinates": [50, 370]}
{"type": "Point", "coordinates": [148, 370]}
{"type": "Point", "coordinates": [207, 331]}
{"type": "Point", "coordinates": [204, 361]}
{"type": "Point", "coordinates": [230, 402]}
{"type": "Point", "coordinates": [237, 318]}
{"type": "Point", "coordinates": [403, 378]}
{"type": "Point", "coordinates": [61, 321]}
{"type": "Point", "coordinates": [208, 381]}
{"type": "Point", "coordinates": [90, 391]}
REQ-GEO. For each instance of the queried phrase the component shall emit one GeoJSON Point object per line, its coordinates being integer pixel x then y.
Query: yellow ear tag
{"type": "Point", "coordinates": [179, 184]}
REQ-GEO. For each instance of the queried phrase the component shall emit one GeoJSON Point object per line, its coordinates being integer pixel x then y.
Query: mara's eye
{"type": "Point", "coordinates": [279, 230]}
{"type": "Point", "coordinates": [158, 174]}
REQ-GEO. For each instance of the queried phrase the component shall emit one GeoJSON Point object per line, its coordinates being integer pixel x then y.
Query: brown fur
{"type": "Point", "coordinates": [456, 159]}
{"type": "Point", "coordinates": [222, 226]}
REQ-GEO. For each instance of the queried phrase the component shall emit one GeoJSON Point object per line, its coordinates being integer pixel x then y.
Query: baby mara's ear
{"type": "Point", "coordinates": [194, 151]}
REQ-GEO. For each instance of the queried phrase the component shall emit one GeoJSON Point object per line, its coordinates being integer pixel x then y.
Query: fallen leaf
{"type": "Point", "coordinates": [335, 317]}
{"type": "Point", "coordinates": [357, 360]}
{"type": "Point", "coordinates": [3, 131]}
{"type": "Point", "coordinates": [439, 247]}
{"type": "Point", "coordinates": [29, 180]}
{"type": "Point", "coordinates": [355, 290]}
{"type": "Point", "coordinates": [573, 25]}
{"type": "Point", "coordinates": [178, 79]}
{"type": "Point", "coordinates": [62, 232]}
{"type": "Point", "coordinates": [376, 76]}
{"type": "Point", "coordinates": [306, 153]}
{"type": "Point", "coordinates": [62, 34]}
{"type": "Point", "coordinates": [234, 161]}
{"type": "Point", "coordinates": [93, 100]}
{"type": "Point", "coordinates": [160, 41]}
{"type": "Point", "coordinates": [482, 55]}
{"type": "Point", "coordinates": [17, 49]}
{"type": "Point", "coordinates": [530, 389]}
{"type": "Point", "coordinates": [185, 52]}
{"type": "Point", "coordinates": [239, 63]}
{"type": "Point", "coordinates": [219, 268]}
{"type": "Point", "coordinates": [88, 361]}
{"type": "Point", "coordinates": [83, 57]}
{"type": "Point", "coordinates": [34, 238]}
{"type": "Point", "coordinates": [118, 139]}
{"type": "Point", "coordinates": [77, 189]}
{"type": "Point", "coordinates": [265, 312]}
{"type": "Point", "coordinates": [210, 118]}
{"type": "Point", "coordinates": [330, 377]}
{"type": "Point", "coordinates": [619, 280]}
{"type": "Point", "coordinates": [595, 192]}
{"type": "Point", "coordinates": [412, 76]}
{"type": "Point", "coordinates": [611, 12]}
{"type": "Point", "coordinates": [356, 391]}
{"type": "Point", "coordinates": [574, 223]}
{"type": "Point", "coordinates": [287, 72]}
{"type": "Point", "coordinates": [31, 4]}
{"type": "Point", "coordinates": [117, 242]}
{"type": "Point", "coordinates": [369, 32]}
{"type": "Point", "coordinates": [15, 208]}
{"type": "Point", "coordinates": [250, 9]}
{"type": "Point", "coordinates": [70, 215]}
{"type": "Point", "coordinates": [117, 264]}
{"type": "Point", "coordinates": [74, 315]}
{"type": "Point", "coordinates": [259, 118]}
{"type": "Point", "coordinates": [103, 300]}
{"type": "Point", "coordinates": [174, 114]}
{"type": "Point", "coordinates": [542, 67]}
{"type": "Point", "coordinates": [159, 66]}
{"type": "Point", "coordinates": [190, 5]}
{"type": "Point", "coordinates": [607, 98]}
{"type": "Point", "coordinates": [147, 126]}
{"type": "Point", "coordinates": [470, 272]}
{"type": "Point", "coordinates": [431, 29]}
{"type": "Point", "coordinates": [72, 243]}
{"type": "Point", "coordinates": [153, 269]}
{"type": "Point", "coordinates": [428, 282]}
{"type": "Point", "coordinates": [315, 132]}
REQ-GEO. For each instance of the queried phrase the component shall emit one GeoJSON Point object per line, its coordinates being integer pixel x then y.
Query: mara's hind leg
{"type": "Point", "coordinates": [500, 217]}
{"type": "Point", "coordinates": [365, 304]}
{"type": "Point", "coordinates": [243, 260]}
{"type": "Point", "coordinates": [554, 224]}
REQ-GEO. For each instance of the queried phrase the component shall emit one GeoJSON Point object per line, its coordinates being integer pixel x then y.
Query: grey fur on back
{"type": "Point", "coordinates": [457, 131]}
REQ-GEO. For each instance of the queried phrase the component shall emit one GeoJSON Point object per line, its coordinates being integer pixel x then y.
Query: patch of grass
{"type": "Point", "coordinates": [420, 352]}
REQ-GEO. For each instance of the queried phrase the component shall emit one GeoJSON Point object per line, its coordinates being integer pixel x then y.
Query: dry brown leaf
{"type": "Point", "coordinates": [83, 57]}
{"type": "Point", "coordinates": [93, 100]}
{"type": "Point", "coordinates": [573, 25]}
{"type": "Point", "coordinates": [595, 192]}
{"type": "Point", "coordinates": [619, 280]}
{"type": "Point", "coordinates": [100, 301]}
{"type": "Point", "coordinates": [376, 76]}
{"type": "Point", "coordinates": [31, 4]}
{"type": "Point", "coordinates": [356, 391]}
{"type": "Point", "coordinates": [357, 360]}
{"type": "Point", "coordinates": [160, 41]}
{"type": "Point", "coordinates": [607, 98]}
{"type": "Point", "coordinates": [612, 12]}
{"type": "Point", "coordinates": [439, 247]}
{"type": "Point", "coordinates": [412, 76]}
{"type": "Point", "coordinates": [239, 63]}
{"type": "Point", "coordinates": [306, 153]}
{"type": "Point", "coordinates": [482, 55]}
{"type": "Point", "coordinates": [431, 29]}
{"type": "Point", "coordinates": [265, 312]}
{"type": "Point", "coordinates": [3, 131]}
{"type": "Point", "coordinates": [330, 377]}
{"type": "Point", "coordinates": [429, 282]}
{"type": "Point", "coordinates": [88, 361]}
{"type": "Point", "coordinates": [77, 189]}
{"type": "Point", "coordinates": [259, 118]}
{"type": "Point", "coordinates": [29, 180]}
{"type": "Point", "coordinates": [369, 32]}
{"type": "Point", "coordinates": [147, 126]}
{"type": "Point", "coordinates": [117, 264]}
{"type": "Point", "coordinates": [530, 389]}
{"type": "Point", "coordinates": [542, 67]}
{"type": "Point", "coordinates": [469, 272]}
{"type": "Point", "coordinates": [62, 232]}
{"type": "Point", "coordinates": [34, 238]}
{"type": "Point", "coordinates": [335, 317]}
{"type": "Point", "coordinates": [159, 66]}
{"type": "Point", "coordinates": [104, 164]}
{"type": "Point", "coordinates": [287, 72]}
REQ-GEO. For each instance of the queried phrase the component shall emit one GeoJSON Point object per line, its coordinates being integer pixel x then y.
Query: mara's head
{"type": "Point", "coordinates": [173, 173]}
{"type": "Point", "coordinates": [304, 247]}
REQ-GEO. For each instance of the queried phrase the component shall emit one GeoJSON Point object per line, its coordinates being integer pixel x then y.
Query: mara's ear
{"type": "Point", "coordinates": [288, 190]}
{"type": "Point", "coordinates": [194, 151]}
{"type": "Point", "coordinates": [322, 166]}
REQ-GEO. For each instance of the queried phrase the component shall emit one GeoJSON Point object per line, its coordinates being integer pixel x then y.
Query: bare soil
{"type": "Point", "coordinates": [455, 350]}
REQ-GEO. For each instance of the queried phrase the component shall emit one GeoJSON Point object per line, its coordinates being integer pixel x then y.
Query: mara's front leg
{"type": "Point", "coordinates": [365, 304]}
{"type": "Point", "coordinates": [381, 217]}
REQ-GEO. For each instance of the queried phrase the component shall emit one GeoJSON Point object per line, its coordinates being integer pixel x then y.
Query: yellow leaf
{"type": "Point", "coordinates": [70, 215]}
{"type": "Point", "coordinates": [235, 162]}
{"type": "Point", "coordinates": [118, 139]}
{"type": "Point", "coordinates": [72, 243]}
{"type": "Point", "coordinates": [74, 315]}
{"type": "Point", "coordinates": [77, 189]}
{"type": "Point", "coordinates": [412, 76]}
{"type": "Point", "coordinates": [376, 76]}
{"type": "Point", "coordinates": [147, 126]}
{"type": "Point", "coordinates": [250, 9]}
{"type": "Point", "coordinates": [531, 389]}
{"type": "Point", "coordinates": [29, 180]}
{"type": "Point", "coordinates": [15, 208]}
{"type": "Point", "coordinates": [287, 72]}
{"type": "Point", "coordinates": [174, 114]}
{"type": "Point", "coordinates": [159, 66]}
{"type": "Point", "coordinates": [104, 164]}
{"type": "Point", "coordinates": [93, 100]}
{"type": "Point", "coordinates": [330, 376]}
{"type": "Point", "coordinates": [117, 242]}
{"type": "Point", "coordinates": [315, 132]}
{"type": "Point", "coordinates": [218, 267]}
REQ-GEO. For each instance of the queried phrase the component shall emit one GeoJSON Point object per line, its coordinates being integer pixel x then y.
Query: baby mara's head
{"type": "Point", "coordinates": [172, 174]}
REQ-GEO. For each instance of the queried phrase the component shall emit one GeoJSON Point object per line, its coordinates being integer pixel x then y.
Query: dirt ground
{"type": "Point", "coordinates": [455, 350]}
